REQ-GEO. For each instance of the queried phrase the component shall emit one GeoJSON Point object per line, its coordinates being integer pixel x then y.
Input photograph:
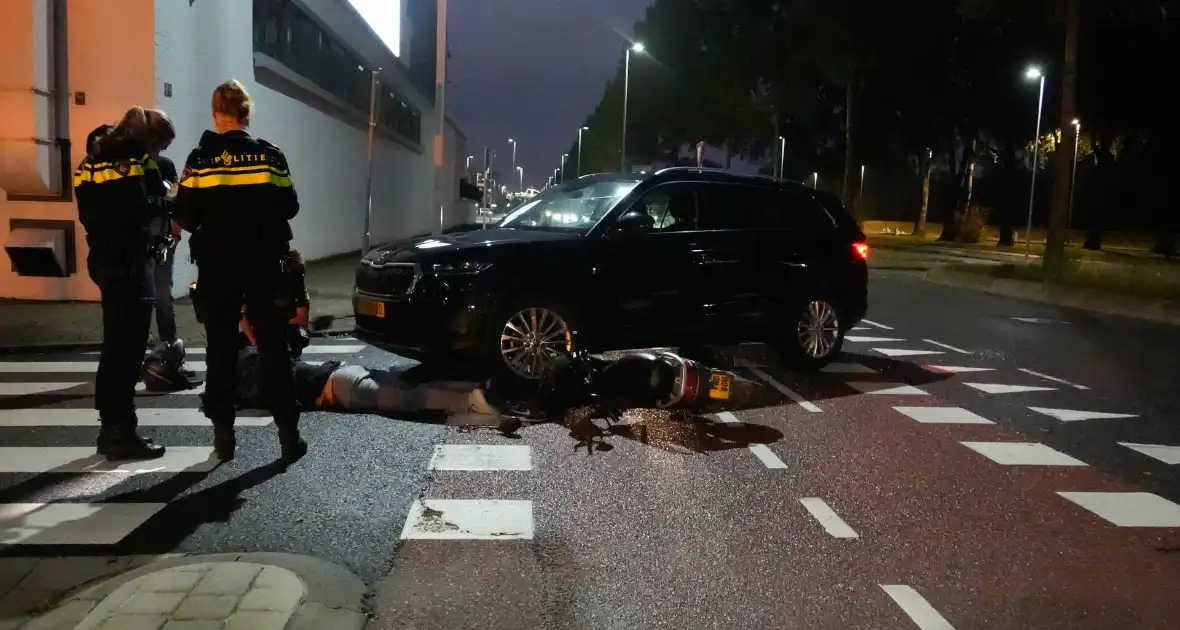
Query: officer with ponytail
{"type": "Point", "coordinates": [237, 199]}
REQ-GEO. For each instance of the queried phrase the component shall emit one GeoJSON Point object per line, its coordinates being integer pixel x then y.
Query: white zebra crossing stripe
{"type": "Point", "coordinates": [312, 349]}
{"type": "Point", "coordinates": [28, 389]}
{"type": "Point", "coordinates": [89, 418]}
{"type": "Point", "coordinates": [71, 523]}
{"type": "Point", "coordinates": [83, 459]}
{"type": "Point", "coordinates": [77, 367]}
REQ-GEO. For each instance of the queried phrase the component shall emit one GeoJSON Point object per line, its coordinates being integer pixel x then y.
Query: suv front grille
{"type": "Point", "coordinates": [390, 279]}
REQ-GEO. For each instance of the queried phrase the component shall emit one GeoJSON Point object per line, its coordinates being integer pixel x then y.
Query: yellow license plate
{"type": "Point", "coordinates": [371, 308]}
{"type": "Point", "coordinates": [719, 388]}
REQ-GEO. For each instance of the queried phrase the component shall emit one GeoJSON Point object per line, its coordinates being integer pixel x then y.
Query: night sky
{"type": "Point", "coordinates": [532, 70]}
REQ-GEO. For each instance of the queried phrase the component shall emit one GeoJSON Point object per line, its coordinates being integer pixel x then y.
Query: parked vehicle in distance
{"type": "Point", "coordinates": [684, 256]}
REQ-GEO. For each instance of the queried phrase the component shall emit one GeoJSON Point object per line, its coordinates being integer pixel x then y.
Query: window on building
{"type": "Point", "coordinates": [285, 33]}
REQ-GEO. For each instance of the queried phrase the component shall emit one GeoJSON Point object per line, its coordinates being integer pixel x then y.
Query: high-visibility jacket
{"type": "Point", "coordinates": [237, 198]}
{"type": "Point", "coordinates": [121, 200]}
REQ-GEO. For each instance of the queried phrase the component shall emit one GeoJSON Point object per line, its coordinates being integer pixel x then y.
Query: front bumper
{"type": "Point", "coordinates": [421, 325]}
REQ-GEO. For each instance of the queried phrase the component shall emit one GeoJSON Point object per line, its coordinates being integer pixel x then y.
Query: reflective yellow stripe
{"type": "Point", "coordinates": [239, 169]}
{"type": "Point", "coordinates": [101, 176]}
{"type": "Point", "coordinates": [273, 177]}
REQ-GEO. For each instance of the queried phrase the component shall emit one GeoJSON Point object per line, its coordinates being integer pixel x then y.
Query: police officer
{"type": "Point", "coordinates": [236, 197]}
{"type": "Point", "coordinates": [123, 208]}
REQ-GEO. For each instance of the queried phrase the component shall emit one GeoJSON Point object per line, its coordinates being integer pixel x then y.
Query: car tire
{"type": "Point", "coordinates": [814, 333]}
{"type": "Point", "coordinates": [554, 330]}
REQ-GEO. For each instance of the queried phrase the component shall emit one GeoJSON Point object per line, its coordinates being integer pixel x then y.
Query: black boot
{"type": "Point", "coordinates": [117, 443]}
{"type": "Point", "coordinates": [224, 442]}
{"type": "Point", "coordinates": [292, 446]}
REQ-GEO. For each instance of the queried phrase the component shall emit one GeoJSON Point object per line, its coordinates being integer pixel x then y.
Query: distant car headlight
{"type": "Point", "coordinates": [461, 268]}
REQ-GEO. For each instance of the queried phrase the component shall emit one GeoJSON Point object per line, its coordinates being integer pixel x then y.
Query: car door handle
{"type": "Point", "coordinates": [709, 258]}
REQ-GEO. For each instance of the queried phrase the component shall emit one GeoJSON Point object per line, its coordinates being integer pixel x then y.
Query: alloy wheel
{"type": "Point", "coordinates": [532, 339]}
{"type": "Point", "coordinates": [818, 329]}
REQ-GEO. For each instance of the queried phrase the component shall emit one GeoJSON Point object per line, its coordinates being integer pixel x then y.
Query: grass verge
{"type": "Point", "coordinates": [1116, 280]}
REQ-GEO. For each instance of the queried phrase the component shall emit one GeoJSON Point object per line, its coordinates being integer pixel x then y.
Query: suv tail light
{"type": "Point", "coordinates": [861, 250]}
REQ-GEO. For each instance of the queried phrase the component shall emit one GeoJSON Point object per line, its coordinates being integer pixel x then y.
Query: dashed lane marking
{"type": "Point", "coordinates": [469, 519]}
{"type": "Point", "coordinates": [916, 607]}
{"type": "Point", "coordinates": [78, 367]}
{"type": "Point", "coordinates": [785, 391]}
{"type": "Point", "coordinates": [1001, 388]}
{"type": "Point", "coordinates": [1076, 415]}
{"type": "Point", "coordinates": [1162, 452]}
{"type": "Point", "coordinates": [1022, 454]}
{"type": "Point", "coordinates": [481, 457]}
{"type": "Point", "coordinates": [761, 451]}
{"type": "Point", "coordinates": [876, 324]}
{"type": "Point", "coordinates": [1052, 378]}
{"type": "Point", "coordinates": [1128, 509]}
{"type": "Point", "coordinates": [947, 346]}
{"type": "Point", "coordinates": [955, 369]}
{"type": "Point", "coordinates": [904, 352]}
{"type": "Point", "coordinates": [886, 389]}
{"type": "Point", "coordinates": [827, 518]}
{"type": "Point", "coordinates": [942, 415]}
{"type": "Point", "coordinates": [858, 339]}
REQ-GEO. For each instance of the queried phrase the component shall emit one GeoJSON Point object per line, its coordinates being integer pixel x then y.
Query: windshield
{"type": "Point", "coordinates": [575, 206]}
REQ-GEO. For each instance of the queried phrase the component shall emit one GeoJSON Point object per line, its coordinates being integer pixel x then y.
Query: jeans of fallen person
{"type": "Point", "coordinates": [165, 311]}
{"type": "Point", "coordinates": [356, 388]}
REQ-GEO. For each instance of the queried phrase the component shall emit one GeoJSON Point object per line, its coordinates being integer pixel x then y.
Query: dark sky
{"type": "Point", "coordinates": [532, 70]}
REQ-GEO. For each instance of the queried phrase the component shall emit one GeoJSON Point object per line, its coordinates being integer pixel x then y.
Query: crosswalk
{"type": "Point", "coordinates": [54, 488]}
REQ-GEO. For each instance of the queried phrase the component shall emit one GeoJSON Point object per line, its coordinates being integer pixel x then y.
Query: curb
{"type": "Point", "coordinates": [91, 346]}
{"type": "Point", "coordinates": [1158, 311]}
{"type": "Point", "coordinates": [335, 596]}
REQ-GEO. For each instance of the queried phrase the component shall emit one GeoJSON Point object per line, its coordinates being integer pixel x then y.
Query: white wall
{"type": "Point", "coordinates": [197, 47]}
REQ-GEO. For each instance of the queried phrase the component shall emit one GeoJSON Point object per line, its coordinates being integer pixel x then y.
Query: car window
{"type": "Point", "coordinates": [574, 206]}
{"type": "Point", "coordinates": [672, 208]}
{"type": "Point", "coordinates": [739, 207]}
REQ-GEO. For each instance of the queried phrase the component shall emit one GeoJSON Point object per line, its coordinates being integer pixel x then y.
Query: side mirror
{"type": "Point", "coordinates": [634, 223]}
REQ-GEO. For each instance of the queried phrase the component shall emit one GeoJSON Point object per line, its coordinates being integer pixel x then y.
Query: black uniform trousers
{"type": "Point", "coordinates": [127, 299]}
{"type": "Point", "coordinates": [262, 286]}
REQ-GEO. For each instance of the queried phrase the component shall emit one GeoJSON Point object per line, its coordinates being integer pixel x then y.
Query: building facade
{"type": "Point", "coordinates": [72, 66]}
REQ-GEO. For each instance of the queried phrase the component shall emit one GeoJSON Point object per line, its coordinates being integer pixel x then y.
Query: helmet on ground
{"type": "Point", "coordinates": [160, 375]}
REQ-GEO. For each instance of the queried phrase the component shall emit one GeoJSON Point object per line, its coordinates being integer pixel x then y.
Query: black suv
{"type": "Point", "coordinates": [682, 257]}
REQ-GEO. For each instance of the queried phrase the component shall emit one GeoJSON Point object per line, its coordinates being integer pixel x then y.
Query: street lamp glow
{"type": "Point", "coordinates": [585, 129]}
{"type": "Point", "coordinates": [638, 47]}
{"type": "Point", "coordinates": [1076, 123]}
{"type": "Point", "coordinates": [1033, 72]}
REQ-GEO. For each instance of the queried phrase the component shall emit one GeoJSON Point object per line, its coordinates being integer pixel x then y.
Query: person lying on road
{"type": "Point", "coordinates": [339, 386]}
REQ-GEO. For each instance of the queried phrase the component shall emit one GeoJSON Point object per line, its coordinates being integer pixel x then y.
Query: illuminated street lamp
{"type": "Point", "coordinates": [1073, 175]}
{"type": "Point", "coordinates": [782, 156]}
{"type": "Point", "coordinates": [638, 48]}
{"type": "Point", "coordinates": [513, 142]}
{"type": "Point", "coordinates": [467, 167]}
{"type": "Point", "coordinates": [1033, 73]}
{"type": "Point", "coordinates": [580, 130]}
{"type": "Point", "coordinates": [520, 171]}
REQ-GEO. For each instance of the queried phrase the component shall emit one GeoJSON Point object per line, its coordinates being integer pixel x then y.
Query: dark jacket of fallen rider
{"type": "Point", "coordinates": [336, 385]}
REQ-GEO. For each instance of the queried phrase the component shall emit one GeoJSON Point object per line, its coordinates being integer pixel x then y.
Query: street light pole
{"type": "Point", "coordinates": [580, 130]}
{"type": "Point", "coordinates": [513, 153]}
{"type": "Point", "coordinates": [1073, 175]}
{"type": "Point", "coordinates": [860, 196]}
{"type": "Point", "coordinates": [637, 47]}
{"type": "Point", "coordinates": [440, 91]}
{"type": "Point", "coordinates": [1034, 73]}
{"type": "Point", "coordinates": [520, 171]}
{"type": "Point", "coordinates": [373, 84]}
{"type": "Point", "coordinates": [782, 156]}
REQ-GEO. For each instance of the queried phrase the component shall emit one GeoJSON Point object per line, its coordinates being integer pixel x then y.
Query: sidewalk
{"type": "Point", "coordinates": [33, 325]}
{"type": "Point", "coordinates": [255, 591]}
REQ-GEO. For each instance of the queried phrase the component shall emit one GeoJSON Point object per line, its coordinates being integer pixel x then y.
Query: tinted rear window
{"type": "Point", "coordinates": [738, 207]}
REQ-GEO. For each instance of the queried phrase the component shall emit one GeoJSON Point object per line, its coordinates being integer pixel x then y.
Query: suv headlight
{"type": "Point", "coordinates": [461, 268]}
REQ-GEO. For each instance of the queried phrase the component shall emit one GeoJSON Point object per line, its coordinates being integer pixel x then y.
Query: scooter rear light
{"type": "Point", "coordinates": [861, 250]}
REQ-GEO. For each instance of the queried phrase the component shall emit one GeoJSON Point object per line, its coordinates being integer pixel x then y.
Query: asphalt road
{"type": "Point", "coordinates": [841, 511]}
